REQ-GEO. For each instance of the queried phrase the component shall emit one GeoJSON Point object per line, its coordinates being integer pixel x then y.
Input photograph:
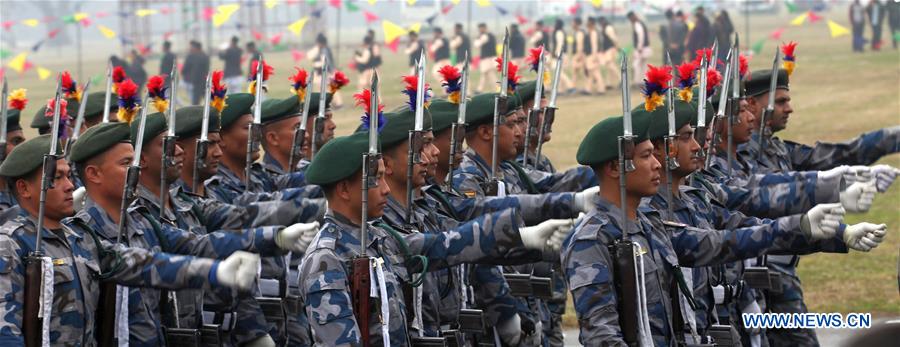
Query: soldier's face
{"type": "Point", "coordinates": [59, 198]}
{"type": "Point", "coordinates": [644, 180]}
{"type": "Point", "coordinates": [327, 128]}
{"type": "Point", "coordinates": [279, 136]}
{"type": "Point", "coordinates": [110, 178]}
{"type": "Point", "coordinates": [744, 128]}
{"type": "Point", "coordinates": [783, 110]}
{"type": "Point", "coordinates": [377, 195]}
{"type": "Point", "coordinates": [234, 139]}
{"type": "Point", "coordinates": [13, 139]}
{"type": "Point", "coordinates": [151, 159]}
{"type": "Point", "coordinates": [686, 148]}
{"type": "Point", "coordinates": [509, 138]}
{"type": "Point", "coordinates": [521, 122]}
{"type": "Point", "coordinates": [442, 143]}
{"type": "Point", "coordinates": [214, 155]}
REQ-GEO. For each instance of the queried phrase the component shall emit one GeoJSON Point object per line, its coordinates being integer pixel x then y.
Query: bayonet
{"type": "Point", "coordinates": [535, 111]}
{"type": "Point", "coordinates": [669, 141]}
{"type": "Point", "coordinates": [319, 123]}
{"type": "Point", "coordinates": [203, 141]}
{"type": "Point", "coordinates": [168, 144]}
{"type": "Point", "coordinates": [108, 95]}
{"type": "Point", "coordinates": [129, 191]}
{"type": "Point", "coordinates": [735, 100]}
{"type": "Point", "coordinates": [415, 135]}
{"type": "Point", "coordinates": [723, 104]}
{"type": "Point", "coordinates": [550, 110]}
{"type": "Point", "coordinates": [4, 115]}
{"type": "Point", "coordinates": [700, 131]}
{"type": "Point", "coordinates": [458, 129]}
{"type": "Point", "coordinates": [504, 75]}
{"type": "Point", "coordinates": [255, 130]}
{"type": "Point", "coordinates": [300, 131]}
{"type": "Point", "coordinates": [79, 119]}
{"type": "Point", "coordinates": [770, 106]}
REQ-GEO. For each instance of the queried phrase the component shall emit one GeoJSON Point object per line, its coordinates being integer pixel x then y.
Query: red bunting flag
{"type": "Point", "coordinates": [370, 17]}
{"type": "Point", "coordinates": [776, 34]}
{"type": "Point", "coordinates": [521, 19]}
{"type": "Point", "coordinates": [53, 33]}
{"type": "Point", "coordinates": [335, 3]}
{"type": "Point", "coordinates": [446, 9]}
{"type": "Point", "coordinates": [393, 45]}
{"type": "Point", "coordinates": [297, 55]}
{"type": "Point", "coordinates": [208, 13]}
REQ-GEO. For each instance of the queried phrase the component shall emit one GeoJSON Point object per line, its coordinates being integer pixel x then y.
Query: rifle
{"type": "Point", "coordinates": [361, 280]}
{"type": "Point", "coordinates": [669, 141]}
{"type": "Point", "coordinates": [415, 136]}
{"type": "Point", "coordinates": [550, 110]}
{"type": "Point", "coordinates": [735, 100]}
{"type": "Point", "coordinates": [255, 131]}
{"type": "Point", "coordinates": [629, 283]}
{"type": "Point", "coordinates": [79, 120]}
{"type": "Point", "coordinates": [168, 144]}
{"type": "Point", "coordinates": [4, 115]}
{"type": "Point", "coordinates": [535, 109]}
{"type": "Point", "coordinates": [492, 188]}
{"type": "Point", "coordinates": [35, 307]}
{"type": "Point", "coordinates": [723, 104]}
{"type": "Point", "coordinates": [300, 131]}
{"type": "Point", "coordinates": [770, 107]}
{"type": "Point", "coordinates": [700, 131]}
{"type": "Point", "coordinates": [108, 95]}
{"type": "Point", "coordinates": [458, 129]}
{"type": "Point", "coordinates": [203, 141]}
{"type": "Point", "coordinates": [319, 124]}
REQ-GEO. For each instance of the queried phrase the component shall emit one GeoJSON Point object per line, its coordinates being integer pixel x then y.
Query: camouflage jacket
{"type": "Point", "coordinates": [589, 266]}
{"type": "Point", "coordinates": [535, 208]}
{"type": "Point", "coordinates": [539, 181]}
{"type": "Point", "coordinates": [473, 172]}
{"type": "Point", "coordinates": [225, 186]}
{"type": "Point", "coordinates": [784, 156]}
{"type": "Point", "coordinates": [145, 231]}
{"type": "Point", "coordinates": [79, 257]}
{"type": "Point", "coordinates": [325, 274]}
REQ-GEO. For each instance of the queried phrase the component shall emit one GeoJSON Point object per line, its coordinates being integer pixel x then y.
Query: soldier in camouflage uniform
{"type": "Point", "coordinates": [99, 155]}
{"type": "Point", "coordinates": [81, 259]}
{"type": "Point", "coordinates": [588, 262]}
{"type": "Point", "coordinates": [14, 136]}
{"type": "Point", "coordinates": [325, 273]}
{"type": "Point", "coordinates": [695, 207]}
{"type": "Point", "coordinates": [201, 215]}
{"type": "Point", "coordinates": [785, 156]}
{"type": "Point", "coordinates": [277, 156]}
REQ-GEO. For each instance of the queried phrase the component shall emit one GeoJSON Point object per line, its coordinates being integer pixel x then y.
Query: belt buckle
{"type": "Point", "coordinates": [519, 284]}
{"type": "Point", "coordinates": [542, 287]}
{"type": "Point", "coordinates": [757, 277]}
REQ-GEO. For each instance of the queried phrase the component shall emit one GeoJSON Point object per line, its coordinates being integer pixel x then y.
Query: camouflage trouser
{"type": "Point", "coordinates": [298, 332]}
{"type": "Point", "coordinates": [789, 301]}
{"type": "Point", "coordinates": [554, 333]}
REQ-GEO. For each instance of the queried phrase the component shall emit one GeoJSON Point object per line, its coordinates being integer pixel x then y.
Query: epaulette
{"type": "Point", "coordinates": [9, 228]}
{"type": "Point", "coordinates": [327, 238]}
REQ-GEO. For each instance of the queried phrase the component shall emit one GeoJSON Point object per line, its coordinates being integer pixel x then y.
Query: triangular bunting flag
{"type": "Point", "coordinates": [351, 7]}
{"type": "Point", "coordinates": [415, 27]}
{"type": "Point", "coordinates": [18, 63]}
{"type": "Point", "coordinates": [799, 20]}
{"type": "Point", "coordinates": [758, 46]}
{"type": "Point", "coordinates": [31, 22]}
{"type": "Point", "coordinates": [144, 12]}
{"type": "Point", "coordinates": [790, 6]}
{"type": "Point", "coordinates": [776, 35]}
{"type": "Point", "coordinates": [370, 17]}
{"type": "Point", "coordinates": [502, 11]}
{"type": "Point", "coordinates": [391, 31]}
{"type": "Point", "coordinates": [297, 27]}
{"type": "Point", "coordinates": [837, 29]}
{"type": "Point", "coordinates": [597, 3]}
{"type": "Point", "coordinates": [393, 45]}
{"type": "Point", "coordinates": [107, 32]}
{"type": "Point", "coordinates": [446, 9]}
{"type": "Point", "coordinates": [483, 3]}
{"type": "Point", "coordinates": [223, 13]}
{"type": "Point", "coordinates": [43, 73]}
{"type": "Point", "coordinates": [270, 4]}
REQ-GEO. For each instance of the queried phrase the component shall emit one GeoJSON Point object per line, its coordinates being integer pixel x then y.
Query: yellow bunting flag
{"type": "Point", "coordinates": [483, 3]}
{"type": "Point", "coordinates": [297, 27]}
{"type": "Point", "coordinates": [107, 32]}
{"type": "Point", "coordinates": [31, 22]}
{"type": "Point", "coordinates": [799, 19]}
{"type": "Point", "coordinates": [223, 13]}
{"type": "Point", "coordinates": [79, 16]}
{"type": "Point", "coordinates": [145, 12]}
{"type": "Point", "coordinates": [597, 3]}
{"type": "Point", "coordinates": [410, 2]}
{"type": "Point", "coordinates": [837, 29]}
{"type": "Point", "coordinates": [392, 31]}
{"type": "Point", "coordinates": [18, 63]}
{"type": "Point", "coordinates": [415, 27]}
{"type": "Point", "coordinates": [43, 73]}
{"type": "Point", "coordinates": [455, 2]}
{"type": "Point", "coordinates": [270, 4]}
{"type": "Point", "coordinates": [372, 2]}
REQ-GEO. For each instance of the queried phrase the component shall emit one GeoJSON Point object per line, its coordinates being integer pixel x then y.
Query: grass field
{"type": "Point", "coordinates": [836, 95]}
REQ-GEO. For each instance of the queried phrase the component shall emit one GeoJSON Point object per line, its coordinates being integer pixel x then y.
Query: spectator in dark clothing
{"type": "Point", "coordinates": [516, 44]}
{"type": "Point", "coordinates": [234, 77]}
{"type": "Point", "coordinates": [876, 13]}
{"type": "Point", "coordinates": [168, 60]}
{"type": "Point", "coordinates": [858, 23]}
{"type": "Point", "coordinates": [253, 52]}
{"type": "Point", "coordinates": [893, 10]}
{"type": "Point", "coordinates": [136, 71]}
{"type": "Point", "coordinates": [723, 29]}
{"type": "Point", "coordinates": [194, 72]}
{"type": "Point", "coordinates": [664, 36]}
{"type": "Point", "coordinates": [701, 36]}
{"type": "Point", "coordinates": [678, 31]}
{"type": "Point", "coordinates": [460, 44]}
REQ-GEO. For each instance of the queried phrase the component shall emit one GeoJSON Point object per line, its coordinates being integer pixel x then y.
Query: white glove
{"type": "Point", "coordinates": [238, 271]}
{"type": "Point", "coordinates": [857, 198]}
{"type": "Point", "coordinates": [537, 237]}
{"type": "Point", "coordinates": [585, 199]}
{"type": "Point", "coordinates": [834, 173]}
{"type": "Point", "coordinates": [78, 199]}
{"type": "Point", "coordinates": [884, 176]}
{"type": "Point", "coordinates": [296, 238]}
{"type": "Point", "coordinates": [857, 173]}
{"type": "Point", "coordinates": [510, 331]}
{"type": "Point", "coordinates": [264, 341]}
{"type": "Point", "coordinates": [823, 220]}
{"type": "Point", "coordinates": [864, 236]}
{"type": "Point", "coordinates": [562, 232]}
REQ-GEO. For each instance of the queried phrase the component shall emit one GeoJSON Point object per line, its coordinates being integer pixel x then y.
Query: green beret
{"type": "Point", "coordinates": [99, 139]}
{"type": "Point", "coordinates": [189, 121]}
{"type": "Point", "coordinates": [274, 110]}
{"type": "Point", "coordinates": [601, 144]}
{"type": "Point", "coordinates": [443, 114]}
{"type": "Point", "coordinates": [526, 91]}
{"type": "Point", "coordinates": [12, 120]}
{"type": "Point", "coordinates": [237, 105]}
{"type": "Point", "coordinates": [94, 105]}
{"type": "Point", "coordinates": [480, 110]}
{"type": "Point", "coordinates": [41, 121]}
{"type": "Point", "coordinates": [759, 81]}
{"type": "Point", "coordinates": [338, 159]}
{"type": "Point", "coordinates": [398, 125]}
{"type": "Point", "coordinates": [659, 118]}
{"type": "Point", "coordinates": [314, 102]}
{"type": "Point", "coordinates": [156, 124]}
{"type": "Point", "coordinates": [26, 157]}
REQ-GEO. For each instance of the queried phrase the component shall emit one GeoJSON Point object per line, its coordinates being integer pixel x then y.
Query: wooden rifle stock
{"type": "Point", "coordinates": [106, 315]}
{"type": "Point", "coordinates": [359, 293]}
{"type": "Point", "coordinates": [32, 325]}
{"type": "Point", "coordinates": [626, 289]}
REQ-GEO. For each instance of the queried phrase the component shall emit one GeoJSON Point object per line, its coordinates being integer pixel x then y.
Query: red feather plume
{"type": "Point", "coordinates": [744, 64]}
{"type": "Point", "coordinates": [449, 73]}
{"type": "Point", "coordinates": [788, 50]}
{"type": "Point", "coordinates": [267, 70]}
{"type": "Point", "coordinates": [18, 99]}
{"type": "Point", "coordinates": [156, 86]}
{"type": "Point", "coordinates": [713, 78]}
{"type": "Point", "coordinates": [118, 75]}
{"type": "Point", "coordinates": [534, 57]}
{"type": "Point", "coordinates": [338, 81]}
